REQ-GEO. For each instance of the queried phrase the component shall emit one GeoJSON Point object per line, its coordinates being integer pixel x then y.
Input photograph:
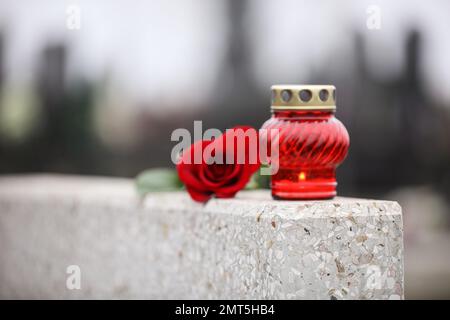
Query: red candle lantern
{"type": "Point", "coordinates": [312, 142]}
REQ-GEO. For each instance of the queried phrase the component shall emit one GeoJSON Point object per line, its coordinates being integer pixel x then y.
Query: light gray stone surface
{"type": "Point", "coordinates": [167, 246]}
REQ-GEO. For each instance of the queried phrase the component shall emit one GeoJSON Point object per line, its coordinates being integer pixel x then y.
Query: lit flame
{"type": "Point", "coordinates": [302, 176]}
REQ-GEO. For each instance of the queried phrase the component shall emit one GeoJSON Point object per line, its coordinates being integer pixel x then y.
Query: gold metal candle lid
{"type": "Point", "coordinates": [303, 97]}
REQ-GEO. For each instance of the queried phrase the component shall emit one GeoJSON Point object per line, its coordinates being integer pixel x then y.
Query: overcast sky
{"type": "Point", "coordinates": [155, 48]}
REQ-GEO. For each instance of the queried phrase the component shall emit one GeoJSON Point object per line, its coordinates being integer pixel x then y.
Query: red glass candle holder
{"type": "Point", "coordinates": [312, 142]}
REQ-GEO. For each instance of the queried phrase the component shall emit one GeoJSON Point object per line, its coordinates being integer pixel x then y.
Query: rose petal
{"type": "Point", "coordinates": [203, 180]}
{"type": "Point", "coordinates": [205, 176]}
{"type": "Point", "coordinates": [188, 172]}
{"type": "Point", "coordinates": [198, 195]}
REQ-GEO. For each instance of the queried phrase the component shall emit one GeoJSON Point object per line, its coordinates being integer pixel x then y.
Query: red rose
{"type": "Point", "coordinates": [224, 178]}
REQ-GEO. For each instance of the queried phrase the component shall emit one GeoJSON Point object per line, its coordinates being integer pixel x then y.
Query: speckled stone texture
{"type": "Point", "coordinates": [167, 246]}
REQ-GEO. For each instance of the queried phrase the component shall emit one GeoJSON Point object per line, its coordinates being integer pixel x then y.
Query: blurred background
{"type": "Point", "coordinates": [97, 87]}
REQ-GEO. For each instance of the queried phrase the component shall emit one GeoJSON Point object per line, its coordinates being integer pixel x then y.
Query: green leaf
{"type": "Point", "coordinates": [258, 181]}
{"type": "Point", "coordinates": [157, 180]}
{"type": "Point", "coordinates": [252, 183]}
